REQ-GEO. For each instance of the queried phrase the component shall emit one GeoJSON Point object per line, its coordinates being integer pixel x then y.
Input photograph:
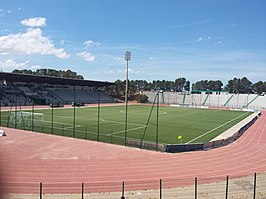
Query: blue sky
{"type": "Point", "coordinates": [196, 39]}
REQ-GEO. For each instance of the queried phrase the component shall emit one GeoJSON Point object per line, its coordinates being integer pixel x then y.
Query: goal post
{"type": "Point", "coordinates": [26, 119]}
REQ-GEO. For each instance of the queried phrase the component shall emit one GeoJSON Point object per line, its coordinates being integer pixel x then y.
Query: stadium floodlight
{"type": "Point", "coordinates": [127, 58]}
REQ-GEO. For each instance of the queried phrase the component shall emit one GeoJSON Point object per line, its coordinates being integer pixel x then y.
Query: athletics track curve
{"type": "Point", "coordinates": [61, 164]}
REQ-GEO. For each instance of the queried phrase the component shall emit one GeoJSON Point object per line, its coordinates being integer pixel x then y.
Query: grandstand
{"type": "Point", "coordinates": [211, 99]}
{"type": "Point", "coordinates": [24, 90]}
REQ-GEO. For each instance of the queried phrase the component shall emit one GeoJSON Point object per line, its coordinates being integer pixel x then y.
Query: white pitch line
{"type": "Point", "coordinates": [215, 128]}
{"type": "Point", "coordinates": [94, 119]}
{"type": "Point", "coordinates": [66, 124]}
{"type": "Point", "coordinates": [117, 122]}
{"type": "Point", "coordinates": [71, 127]}
{"type": "Point", "coordinates": [136, 113]}
{"type": "Point", "coordinates": [127, 130]}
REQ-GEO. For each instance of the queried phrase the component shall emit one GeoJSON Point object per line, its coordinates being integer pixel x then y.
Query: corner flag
{"type": "Point", "coordinates": [179, 137]}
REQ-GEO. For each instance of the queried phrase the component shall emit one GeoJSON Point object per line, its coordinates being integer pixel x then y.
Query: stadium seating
{"type": "Point", "coordinates": [221, 100]}
{"type": "Point", "coordinates": [23, 95]}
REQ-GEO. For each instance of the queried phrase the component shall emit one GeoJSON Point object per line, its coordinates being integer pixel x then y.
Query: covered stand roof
{"type": "Point", "coordinates": [40, 79]}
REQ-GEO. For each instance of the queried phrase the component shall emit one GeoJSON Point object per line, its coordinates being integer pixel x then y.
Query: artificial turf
{"type": "Point", "coordinates": [107, 124]}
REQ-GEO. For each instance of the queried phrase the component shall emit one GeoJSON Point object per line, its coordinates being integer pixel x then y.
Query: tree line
{"type": "Point", "coordinates": [235, 85]}
{"type": "Point", "coordinates": [181, 84]}
{"type": "Point", "coordinates": [134, 86]}
{"type": "Point", "coordinates": [51, 72]}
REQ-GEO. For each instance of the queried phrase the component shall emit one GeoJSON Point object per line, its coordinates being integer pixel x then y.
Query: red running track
{"type": "Point", "coordinates": [61, 163]}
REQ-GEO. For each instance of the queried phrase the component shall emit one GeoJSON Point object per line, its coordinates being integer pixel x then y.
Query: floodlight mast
{"type": "Point", "coordinates": [127, 58]}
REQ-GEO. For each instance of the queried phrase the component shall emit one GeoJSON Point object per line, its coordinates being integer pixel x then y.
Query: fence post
{"type": "Point", "coordinates": [226, 188]}
{"type": "Point", "coordinates": [255, 181]}
{"type": "Point", "coordinates": [32, 116]}
{"type": "Point", "coordinates": [196, 187]}
{"type": "Point", "coordinates": [52, 123]}
{"type": "Point", "coordinates": [86, 133]}
{"type": "Point", "coordinates": [161, 186]}
{"type": "Point", "coordinates": [0, 110]}
{"type": "Point", "coordinates": [82, 190]}
{"type": "Point", "coordinates": [157, 122]}
{"type": "Point", "coordinates": [74, 113]}
{"type": "Point", "coordinates": [123, 190]}
{"type": "Point", "coordinates": [63, 130]}
{"type": "Point", "coordinates": [41, 190]}
{"type": "Point", "coordinates": [98, 115]}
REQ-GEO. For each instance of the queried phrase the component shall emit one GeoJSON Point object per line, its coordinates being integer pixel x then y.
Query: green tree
{"type": "Point", "coordinates": [142, 98]}
{"type": "Point", "coordinates": [238, 85]}
{"type": "Point", "coordinates": [51, 72]}
{"type": "Point", "coordinates": [187, 86]}
{"type": "Point", "coordinates": [200, 85]}
{"type": "Point", "coordinates": [245, 85]}
{"type": "Point", "coordinates": [180, 83]}
{"type": "Point", "coordinates": [258, 87]}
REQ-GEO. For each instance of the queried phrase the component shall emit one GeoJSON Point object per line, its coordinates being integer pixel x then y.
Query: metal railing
{"type": "Point", "coordinates": [253, 187]}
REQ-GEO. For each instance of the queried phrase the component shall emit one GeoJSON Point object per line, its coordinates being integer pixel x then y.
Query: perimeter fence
{"type": "Point", "coordinates": [98, 123]}
{"type": "Point", "coordinates": [94, 123]}
{"type": "Point", "coordinates": [253, 186]}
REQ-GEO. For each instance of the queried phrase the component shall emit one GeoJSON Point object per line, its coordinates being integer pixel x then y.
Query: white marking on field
{"type": "Point", "coordinates": [66, 124]}
{"type": "Point", "coordinates": [215, 128]}
{"type": "Point", "coordinates": [71, 127]}
{"type": "Point", "coordinates": [131, 112]}
{"type": "Point", "coordinates": [127, 130]}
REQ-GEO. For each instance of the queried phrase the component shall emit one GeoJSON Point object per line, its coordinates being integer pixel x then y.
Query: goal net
{"type": "Point", "coordinates": [26, 119]}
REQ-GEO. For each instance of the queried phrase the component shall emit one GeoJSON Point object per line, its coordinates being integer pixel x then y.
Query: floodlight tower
{"type": "Point", "coordinates": [127, 58]}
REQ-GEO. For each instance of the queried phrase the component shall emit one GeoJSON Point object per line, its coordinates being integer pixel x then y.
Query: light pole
{"type": "Point", "coordinates": [127, 58]}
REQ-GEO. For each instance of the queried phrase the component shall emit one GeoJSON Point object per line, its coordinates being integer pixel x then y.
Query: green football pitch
{"type": "Point", "coordinates": [107, 124]}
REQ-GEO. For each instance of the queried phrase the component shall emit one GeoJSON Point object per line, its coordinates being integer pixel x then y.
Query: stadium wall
{"type": "Point", "coordinates": [225, 101]}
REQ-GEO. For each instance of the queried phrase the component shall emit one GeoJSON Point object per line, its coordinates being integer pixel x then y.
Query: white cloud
{"type": "Point", "coordinates": [36, 67]}
{"type": "Point", "coordinates": [34, 22]}
{"type": "Point", "coordinates": [199, 39]}
{"type": "Point", "coordinates": [4, 12]}
{"type": "Point", "coordinates": [130, 71]}
{"type": "Point", "coordinates": [30, 42]}
{"type": "Point", "coordinates": [118, 59]}
{"type": "Point", "coordinates": [86, 56]}
{"type": "Point", "coordinates": [11, 65]}
{"type": "Point", "coordinates": [196, 23]}
{"type": "Point", "coordinates": [219, 43]}
{"type": "Point", "coordinates": [90, 43]}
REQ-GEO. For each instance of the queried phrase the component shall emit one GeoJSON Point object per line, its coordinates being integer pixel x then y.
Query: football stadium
{"type": "Point", "coordinates": [143, 99]}
{"type": "Point", "coordinates": [40, 108]}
